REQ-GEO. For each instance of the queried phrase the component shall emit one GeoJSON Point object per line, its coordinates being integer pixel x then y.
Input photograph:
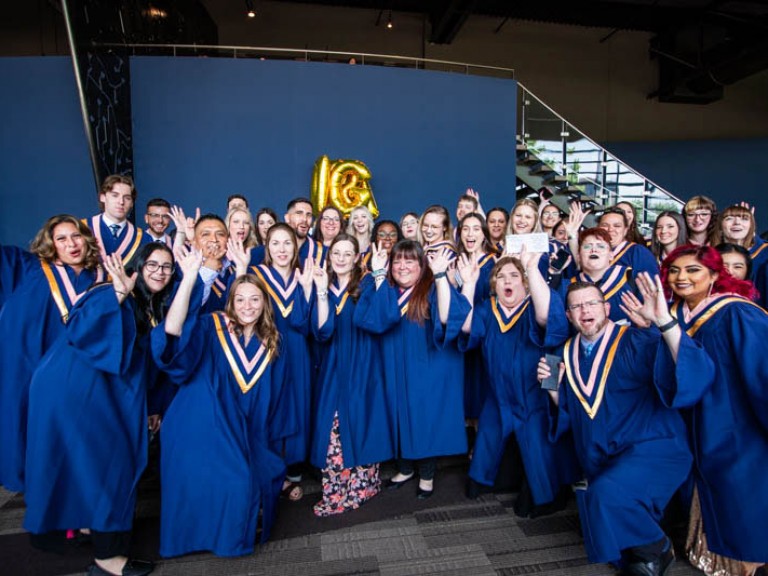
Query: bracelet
{"type": "Point", "coordinates": [668, 326]}
{"type": "Point", "coordinates": [121, 293]}
{"type": "Point", "coordinates": [440, 275]}
{"type": "Point", "coordinates": [321, 294]}
{"type": "Point", "coordinates": [379, 272]}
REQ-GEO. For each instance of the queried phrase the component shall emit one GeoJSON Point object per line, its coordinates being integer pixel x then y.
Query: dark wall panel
{"type": "Point", "coordinates": [207, 128]}
{"type": "Point", "coordinates": [728, 171]}
{"type": "Point", "coordinates": [44, 164]}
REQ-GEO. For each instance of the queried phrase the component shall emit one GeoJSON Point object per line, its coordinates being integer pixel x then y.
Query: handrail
{"type": "Point", "coordinates": [305, 52]}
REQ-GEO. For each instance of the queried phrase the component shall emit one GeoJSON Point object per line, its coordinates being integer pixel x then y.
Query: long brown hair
{"type": "Point", "coordinates": [418, 308]}
{"type": "Point", "coordinates": [275, 228]}
{"type": "Point", "coordinates": [353, 287]}
{"type": "Point", "coordinates": [44, 247]}
{"type": "Point", "coordinates": [736, 210]}
{"type": "Point", "coordinates": [265, 329]}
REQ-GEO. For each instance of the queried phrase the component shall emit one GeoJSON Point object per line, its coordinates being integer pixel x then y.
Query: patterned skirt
{"type": "Point", "coordinates": [705, 560]}
{"type": "Point", "coordinates": [344, 488]}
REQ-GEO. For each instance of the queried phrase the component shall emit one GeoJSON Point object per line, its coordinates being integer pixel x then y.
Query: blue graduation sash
{"type": "Point", "coordinates": [756, 249]}
{"type": "Point", "coordinates": [62, 291]}
{"type": "Point", "coordinates": [601, 367]}
{"type": "Point", "coordinates": [438, 246]}
{"type": "Point", "coordinates": [281, 297]}
{"type": "Point", "coordinates": [484, 259]}
{"type": "Point", "coordinates": [505, 324]}
{"type": "Point", "coordinates": [708, 312]}
{"type": "Point", "coordinates": [246, 371]}
{"type": "Point", "coordinates": [611, 283]}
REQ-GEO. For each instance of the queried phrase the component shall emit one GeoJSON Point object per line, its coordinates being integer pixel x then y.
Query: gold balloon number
{"type": "Point", "coordinates": [344, 184]}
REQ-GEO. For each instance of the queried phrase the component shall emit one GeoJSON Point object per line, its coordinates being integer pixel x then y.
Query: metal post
{"type": "Point", "coordinates": [81, 94]}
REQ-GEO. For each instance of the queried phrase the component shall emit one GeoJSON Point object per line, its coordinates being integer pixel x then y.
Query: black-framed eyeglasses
{"type": "Point", "coordinates": [153, 266]}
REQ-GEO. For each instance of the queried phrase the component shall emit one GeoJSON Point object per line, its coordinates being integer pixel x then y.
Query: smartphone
{"type": "Point", "coordinates": [551, 382]}
{"type": "Point", "coordinates": [560, 260]}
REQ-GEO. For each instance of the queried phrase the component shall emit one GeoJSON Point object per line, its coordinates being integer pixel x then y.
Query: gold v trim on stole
{"type": "Point", "coordinates": [611, 285]}
{"type": "Point", "coordinates": [338, 292]}
{"type": "Point", "coordinates": [56, 293]}
{"type": "Point", "coordinates": [275, 290]}
{"type": "Point", "coordinates": [707, 314]}
{"type": "Point", "coordinates": [504, 326]}
{"type": "Point", "coordinates": [756, 252]}
{"type": "Point", "coordinates": [483, 260]}
{"type": "Point", "coordinates": [227, 343]}
{"type": "Point", "coordinates": [404, 300]}
{"type": "Point", "coordinates": [218, 287]}
{"type": "Point", "coordinates": [621, 251]}
{"type": "Point", "coordinates": [574, 377]}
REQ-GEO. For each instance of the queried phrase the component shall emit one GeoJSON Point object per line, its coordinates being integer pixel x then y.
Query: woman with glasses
{"type": "Point", "coordinates": [416, 315]}
{"type": "Point", "coordinates": [221, 478]}
{"type": "Point", "coordinates": [386, 233]}
{"type": "Point", "coordinates": [548, 217]}
{"type": "Point", "coordinates": [435, 232]}
{"type": "Point", "coordinates": [352, 432]}
{"type": "Point", "coordinates": [330, 221]}
{"type": "Point", "coordinates": [669, 232]}
{"type": "Point", "coordinates": [716, 352]}
{"type": "Point", "coordinates": [522, 317]}
{"type": "Point", "coordinates": [409, 224]}
{"type": "Point", "coordinates": [700, 215]}
{"type": "Point", "coordinates": [39, 287]}
{"type": "Point", "coordinates": [87, 436]}
{"type": "Point", "coordinates": [594, 257]}
{"type": "Point", "coordinates": [633, 232]}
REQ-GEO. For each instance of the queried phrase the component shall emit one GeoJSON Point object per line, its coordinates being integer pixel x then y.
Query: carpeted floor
{"type": "Point", "coordinates": [394, 534]}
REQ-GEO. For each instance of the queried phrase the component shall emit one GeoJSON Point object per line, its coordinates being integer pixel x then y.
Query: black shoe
{"type": "Point", "coordinates": [475, 489]}
{"type": "Point", "coordinates": [658, 567]}
{"type": "Point", "coordinates": [424, 494]}
{"type": "Point", "coordinates": [131, 568]}
{"type": "Point", "coordinates": [392, 485]}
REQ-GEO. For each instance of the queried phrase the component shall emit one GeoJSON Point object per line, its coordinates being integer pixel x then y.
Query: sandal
{"type": "Point", "coordinates": [292, 491]}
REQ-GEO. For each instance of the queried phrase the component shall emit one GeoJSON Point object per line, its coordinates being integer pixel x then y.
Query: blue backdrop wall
{"type": "Point", "coordinates": [44, 164]}
{"type": "Point", "coordinates": [207, 128]}
{"type": "Point", "coordinates": [727, 171]}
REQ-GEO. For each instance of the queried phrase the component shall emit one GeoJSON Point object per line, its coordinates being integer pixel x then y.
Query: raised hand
{"type": "Point", "coordinates": [575, 218]}
{"type": "Point", "coordinates": [179, 219]}
{"type": "Point", "coordinates": [189, 261]}
{"type": "Point", "coordinates": [320, 279]}
{"type": "Point", "coordinates": [238, 253]}
{"type": "Point", "coordinates": [528, 259]}
{"type": "Point", "coordinates": [469, 271]}
{"type": "Point", "coordinates": [379, 257]}
{"type": "Point", "coordinates": [632, 307]}
{"type": "Point", "coordinates": [121, 282]}
{"type": "Point", "coordinates": [190, 224]}
{"type": "Point", "coordinates": [305, 275]}
{"type": "Point", "coordinates": [440, 260]}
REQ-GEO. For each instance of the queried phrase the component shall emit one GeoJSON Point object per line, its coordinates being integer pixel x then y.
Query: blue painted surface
{"type": "Point", "coordinates": [45, 168]}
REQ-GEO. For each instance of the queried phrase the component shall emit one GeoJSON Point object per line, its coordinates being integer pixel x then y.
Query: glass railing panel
{"type": "Point", "coordinates": [583, 162]}
{"type": "Point", "coordinates": [541, 132]}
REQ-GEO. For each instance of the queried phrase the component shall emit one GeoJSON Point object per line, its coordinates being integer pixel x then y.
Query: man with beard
{"type": "Point", "coordinates": [211, 237]}
{"type": "Point", "coordinates": [632, 450]}
{"type": "Point", "coordinates": [298, 216]}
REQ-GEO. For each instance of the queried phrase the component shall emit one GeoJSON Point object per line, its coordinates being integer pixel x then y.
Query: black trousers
{"type": "Point", "coordinates": [109, 544]}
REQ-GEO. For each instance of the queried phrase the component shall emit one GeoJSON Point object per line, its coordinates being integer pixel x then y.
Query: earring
{"type": "Point", "coordinates": [711, 285]}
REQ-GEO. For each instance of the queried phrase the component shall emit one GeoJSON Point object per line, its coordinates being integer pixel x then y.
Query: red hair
{"type": "Point", "coordinates": [711, 259]}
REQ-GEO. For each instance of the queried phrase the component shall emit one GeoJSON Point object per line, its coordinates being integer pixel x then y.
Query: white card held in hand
{"type": "Point", "coordinates": [538, 242]}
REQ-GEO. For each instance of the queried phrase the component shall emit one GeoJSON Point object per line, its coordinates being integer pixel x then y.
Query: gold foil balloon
{"type": "Point", "coordinates": [343, 184]}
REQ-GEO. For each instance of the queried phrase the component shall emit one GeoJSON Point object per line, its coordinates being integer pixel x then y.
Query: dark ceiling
{"type": "Point", "coordinates": [701, 45]}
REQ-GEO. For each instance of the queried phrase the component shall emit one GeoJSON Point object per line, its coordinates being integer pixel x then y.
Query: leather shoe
{"type": "Point", "coordinates": [392, 485]}
{"type": "Point", "coordinates": [658, 567]}
{"type": "Point", "coordinates": [131, 568]}
{"type": "Point", "coordinates": [424, 494]}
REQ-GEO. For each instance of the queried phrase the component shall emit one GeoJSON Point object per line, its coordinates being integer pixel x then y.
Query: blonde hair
{"type": "Point", "coordinates": [250, 240]}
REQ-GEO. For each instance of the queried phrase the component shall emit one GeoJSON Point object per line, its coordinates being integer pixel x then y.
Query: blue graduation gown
{"type": "Point", "coordinates": [423, 371]}
{"type": "Point", "coordinates": [32, 321]}
{"type": "Point", "coordinates": [313, 247]}
{"type": "Point", "coordinates": [292, 315]}
{"type": "Point", "coordinates": [475, 374]}
{"type": "Point", "coordinates": [511, 346]}
{"type": "Point", "coordinates": [721, 377]}
{"type": "Point", "coordinates": [632, 449]}
{"type": "Point", "coordinates": [87, 428]}
{"type": "Point", "coordinates": [635, 256]}
{"type": "Point", "coordinates": [351, 382]}
{"type": "Point", "coordinates": [615, 281]}
{"type": "Point", "coordinates": [217, 467]}
{"type": "Point", "coordinates": [126, 245]}
{"type": "Point", "coordinates": [759, 255]}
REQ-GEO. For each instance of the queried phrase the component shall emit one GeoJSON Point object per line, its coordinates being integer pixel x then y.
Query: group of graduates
{"type": "Point", "coordinates": [627, 370]}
